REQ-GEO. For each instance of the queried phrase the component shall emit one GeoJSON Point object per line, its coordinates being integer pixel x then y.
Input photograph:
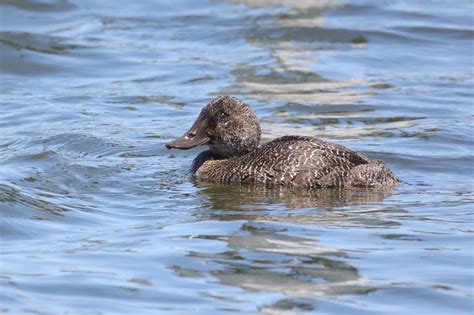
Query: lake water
{"type": "Point", "coordinates": [97, 217]}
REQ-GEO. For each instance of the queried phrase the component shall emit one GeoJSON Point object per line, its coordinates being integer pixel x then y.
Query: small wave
{"type": "Point", "coordinates": [42, 43]}
{"type": "Point", "coordinates": [43, 6]}
{"type": "Point", "coordinates": [461, 32]}
{"type": "Point", "coordinates": [82, 144]}
{"type": "Point", "coordinates": [11, 194]}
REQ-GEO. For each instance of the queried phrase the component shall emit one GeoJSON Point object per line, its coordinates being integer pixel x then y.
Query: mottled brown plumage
{"type": "Point", "coordinates": [231, 130]}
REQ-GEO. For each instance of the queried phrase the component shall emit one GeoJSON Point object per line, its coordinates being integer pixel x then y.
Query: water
{"type": "Point", "coordinates": [99, 218]}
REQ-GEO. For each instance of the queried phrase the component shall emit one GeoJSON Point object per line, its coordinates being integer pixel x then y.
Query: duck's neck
{"type": "Point", "coordinates": [203, 157]}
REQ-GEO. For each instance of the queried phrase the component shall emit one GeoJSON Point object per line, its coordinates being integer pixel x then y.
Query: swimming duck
{"type": "Point", "coordinates": [231, 130]}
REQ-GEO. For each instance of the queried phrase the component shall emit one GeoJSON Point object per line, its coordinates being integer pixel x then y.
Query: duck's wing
{"type": "Point", "coordinates": [299, 161]}
{"type": "Point", "coordinates": [319, 151]}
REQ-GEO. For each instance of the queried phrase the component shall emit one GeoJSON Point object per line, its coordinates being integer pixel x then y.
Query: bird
{"type": "Point", "coordinates": [231, 130]}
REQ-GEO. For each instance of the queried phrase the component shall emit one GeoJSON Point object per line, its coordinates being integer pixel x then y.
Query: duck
{"type": "Point", "coordinates": [231, 130]}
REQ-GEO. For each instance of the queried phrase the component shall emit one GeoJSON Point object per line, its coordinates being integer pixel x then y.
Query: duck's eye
{"type": "Point", "coordinates": [223, 115]}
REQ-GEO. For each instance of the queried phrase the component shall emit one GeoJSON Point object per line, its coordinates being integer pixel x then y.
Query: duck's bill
{"type": "Point", "coordinates": [194, 137]}
{"type": "Point", "coordinates": [184, 143]}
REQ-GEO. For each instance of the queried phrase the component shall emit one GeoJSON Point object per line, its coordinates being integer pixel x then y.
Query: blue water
{"type": "Point", "coordinates": [97, 217]}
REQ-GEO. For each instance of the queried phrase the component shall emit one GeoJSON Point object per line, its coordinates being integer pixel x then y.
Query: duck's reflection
{"type": "Point", "coordinates": [295, 265]}
{"type": "Point", "coordinates": [265, 257]}
{"type": "Point", "coordinates": [273, 245]}
{"type": "Point", "coordinates": [258, 197]}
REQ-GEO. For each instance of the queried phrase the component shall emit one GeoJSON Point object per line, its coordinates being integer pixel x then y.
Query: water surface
{"type": "Point", "coordinates": [97, 217]}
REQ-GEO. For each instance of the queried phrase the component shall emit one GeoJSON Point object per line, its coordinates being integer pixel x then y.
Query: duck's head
{"type": "Point", "coordinates": [227, 125]}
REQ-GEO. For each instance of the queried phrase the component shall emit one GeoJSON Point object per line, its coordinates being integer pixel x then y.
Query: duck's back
{"type": "Point", "coordinates": [301, 162]}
